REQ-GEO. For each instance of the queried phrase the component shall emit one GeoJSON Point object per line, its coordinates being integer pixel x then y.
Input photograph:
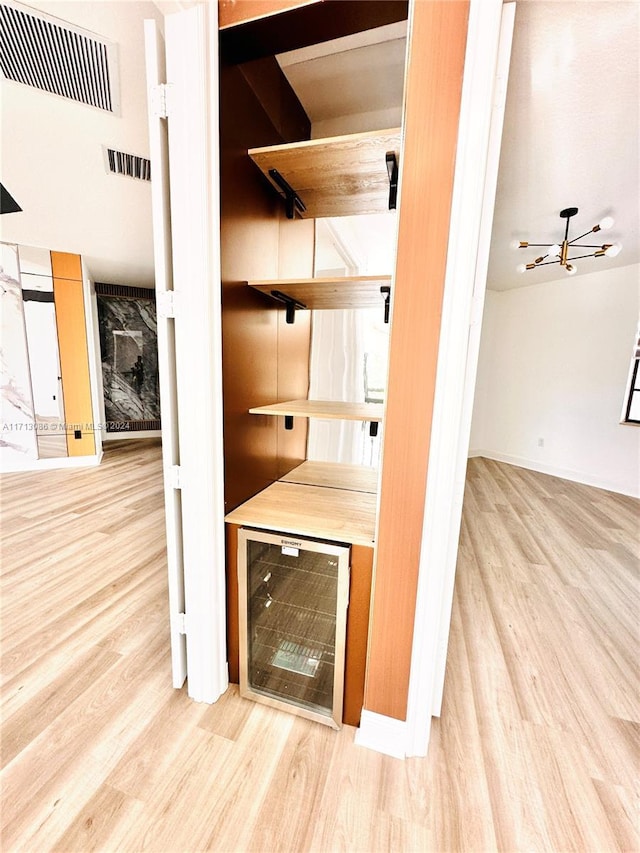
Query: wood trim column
{"type": "Point", "coordinates": [74, 357]}
{"type": "Point", "coordinates": [438, 34]}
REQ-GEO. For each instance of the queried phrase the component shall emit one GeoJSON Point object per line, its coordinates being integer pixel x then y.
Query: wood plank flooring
{"type": "Point", "coordinates": [536, 749]}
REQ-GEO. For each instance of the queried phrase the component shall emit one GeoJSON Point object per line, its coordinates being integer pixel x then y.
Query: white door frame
{"type": "Point", "coordinates": [193, 442]}
{"type": "Point", "coordinates": [163, 264]}
{"type": "Point", "coordinates": [481, 117]}
{"type": "Point", "coordinates": [192, 98]}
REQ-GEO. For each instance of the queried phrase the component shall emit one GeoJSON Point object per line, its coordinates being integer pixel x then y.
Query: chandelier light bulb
{"type": "Point", "coordinates": [613, 250]}
{"type": "Point", "coordinates": [515, 244]}
{"type": "Point", "coordinates": [554, 251]}
{"type": "Point", "coordinates": [606, 223]}
{"type": "Point", "coordinates": [521, 268]}
{"type": "Point", "coordinates": [571, 269]}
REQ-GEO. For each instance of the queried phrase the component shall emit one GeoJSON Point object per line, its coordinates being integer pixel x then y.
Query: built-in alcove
{"type": "Point", "coordinates": [265, 360]}
{"type": "Point", "coordinates": [323, 219]}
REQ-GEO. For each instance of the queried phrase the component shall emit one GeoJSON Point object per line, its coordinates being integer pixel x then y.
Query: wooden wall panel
{"type": "Point", "coordinates": [434, 84]}
{"type": "Point", "coordinates": [232, 12]}
{"type": "Point", "coordinates": [357, 633]}
{"type": "Point", "coordinates": [250, 247]}
{"type": "Point", "coordinates": [297, 240]}
{"type": "Point", "coordinates": [74, 357]}
{"type": "Point", "coordinates": [244, 37]}
{"type": "Point", "coordinates": [233, 629]}
{"type": "Point", "coordinates": [66, 265]}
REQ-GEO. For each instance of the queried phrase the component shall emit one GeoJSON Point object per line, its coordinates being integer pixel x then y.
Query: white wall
{"type": "Point", "coordinates": [53, 161]}
{"type": "Point", "coordinates": [554, 360]}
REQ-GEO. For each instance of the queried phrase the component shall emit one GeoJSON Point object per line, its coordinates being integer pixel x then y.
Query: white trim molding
{"type": "Point", "coordinates": [479, 137]}
{"type": "Point", "coordinates": [192, 77]}
{"type": "Point", "coordinates": [123, 436]}
{"type": "Point", "coordinates": [53, 464]}
{"type": "Point", "coordinates": [382, 734]}
{"type": "Point", "coordinates": [555, 471]}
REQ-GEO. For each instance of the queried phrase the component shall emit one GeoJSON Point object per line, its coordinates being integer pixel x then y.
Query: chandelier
{"type": "Point", "coordinates": [558, 253]}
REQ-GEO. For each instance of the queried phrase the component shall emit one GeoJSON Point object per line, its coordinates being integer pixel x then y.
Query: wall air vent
{"type": "Point", "coordinates": [56, 57]}
{"type": "Point", "coordinates": [124, 291]}
{"type": "Point", "coordinates": [128, 164]}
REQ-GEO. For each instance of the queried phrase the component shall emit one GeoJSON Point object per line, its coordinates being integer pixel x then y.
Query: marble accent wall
{"type": "Point", "coordinates": [129, 351]}
{"type": "Point", "coordinates": [18, 424]}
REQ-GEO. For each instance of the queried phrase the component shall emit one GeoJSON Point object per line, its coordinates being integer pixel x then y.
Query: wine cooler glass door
{"type": "Point", "coordinates": [293, 600]}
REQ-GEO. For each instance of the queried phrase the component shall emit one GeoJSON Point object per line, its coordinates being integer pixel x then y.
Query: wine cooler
{"type": "Point", "coordinates": [293, 596]}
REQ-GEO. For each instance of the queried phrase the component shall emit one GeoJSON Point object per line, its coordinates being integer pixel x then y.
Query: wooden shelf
{"type": "Point", "coordinates": [340, 515]}
{"type": "Point", "coordinates": [324, 409]}
{"type": "Point", "coordinates": [354, 291]}
{"type": "Point", "coordinates": [337, 176]}
{"type": "Point", "coordinates": [334, 475]}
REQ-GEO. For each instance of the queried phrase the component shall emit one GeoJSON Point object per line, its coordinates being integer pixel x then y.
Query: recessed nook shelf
{"type": "Point", "coordinates": [356, 291]}
{"type": "Point", "coordinates": [337, 176]}
{"type": "Point", "coordinates": [340, 515]}
{"type": "Point", "coordinates": [331, 409]}
{"type": "Point", "coordinates": [334, 475]}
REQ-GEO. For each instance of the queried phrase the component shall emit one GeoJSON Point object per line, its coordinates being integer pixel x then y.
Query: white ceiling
{"type": "Point", "coordinates": [570, 135]}
{"type": "Point", "coordinates": [570, 138]}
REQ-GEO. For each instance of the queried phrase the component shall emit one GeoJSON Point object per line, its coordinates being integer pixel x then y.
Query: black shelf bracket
{"type": "Point", "coordinates": [373, 428]}
{"type": "Point", "coordinates": [292, 200]}
{"type": "Point", "coordinates": [392, 171]}
{"type": "Point", "coordinates": [288, 421]}
{"type": "Point", "coordinates": [387, 301]}
{"type": "Point", "coordinates": [290, 303]}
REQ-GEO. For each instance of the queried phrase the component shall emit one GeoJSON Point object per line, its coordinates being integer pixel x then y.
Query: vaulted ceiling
{"type": "Point", "coordinates": [571, 135]}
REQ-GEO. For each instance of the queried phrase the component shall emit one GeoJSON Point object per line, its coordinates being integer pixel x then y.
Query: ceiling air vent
{"type": "Point", "coordinates": [56, 57]}
{"type": "Point", "coordinates": [128, 164]}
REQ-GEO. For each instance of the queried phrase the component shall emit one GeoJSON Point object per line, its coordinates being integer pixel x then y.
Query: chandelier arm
{"type": "Point", "coordinates": [587, 245]}
{"type": "Point", "coordinates": [590, 231]}
{"type": "Point", "coordinates": [592, 255]}
{"type": "Point", "coordinates": [544, 263]}
{"type": "Point", "coordinates": [536, 244]}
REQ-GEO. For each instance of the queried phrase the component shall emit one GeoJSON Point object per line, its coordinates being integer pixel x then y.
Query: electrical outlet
{"type": "Point", "coordinates": [541, 442]}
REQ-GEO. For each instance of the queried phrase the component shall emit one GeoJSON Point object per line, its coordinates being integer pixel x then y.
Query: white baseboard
{"type": "Point", "coordinates": [122, 436]}
{"type": "Point", "coordinates": [556, 471]}
{"type": "Point", "coordinates": [382, 734]}
{"type": "Point", "coordinates": [53, 464]}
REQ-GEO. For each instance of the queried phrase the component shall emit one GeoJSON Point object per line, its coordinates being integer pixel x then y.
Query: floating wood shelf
{"type": "Point", "coordinates": [334, 475]}
{"type": "Point", "coordinates": [355, 291]}
{"type": "Point", "coordinates": [340, 515]}
{"type": "Point", "coordinates": [372, 412]}
{"type": "Point", "coordinates": [337, 176]}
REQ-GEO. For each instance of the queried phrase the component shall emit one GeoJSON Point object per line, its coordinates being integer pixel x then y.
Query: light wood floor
{"type": "Point", "coordinates": [536, 749]}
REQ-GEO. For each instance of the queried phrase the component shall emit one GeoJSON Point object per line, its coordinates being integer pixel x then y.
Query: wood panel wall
{"type": "Point", "coordinates": [74, 356]}
{"type": "Point", "coordinates": [434, 85]}
{"type": "Point", "coordinates": [264, 359]}
{"type": "Point", "coordinates": [232, 12]}
{"type": "Point", "coordinates": [251, 29]}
